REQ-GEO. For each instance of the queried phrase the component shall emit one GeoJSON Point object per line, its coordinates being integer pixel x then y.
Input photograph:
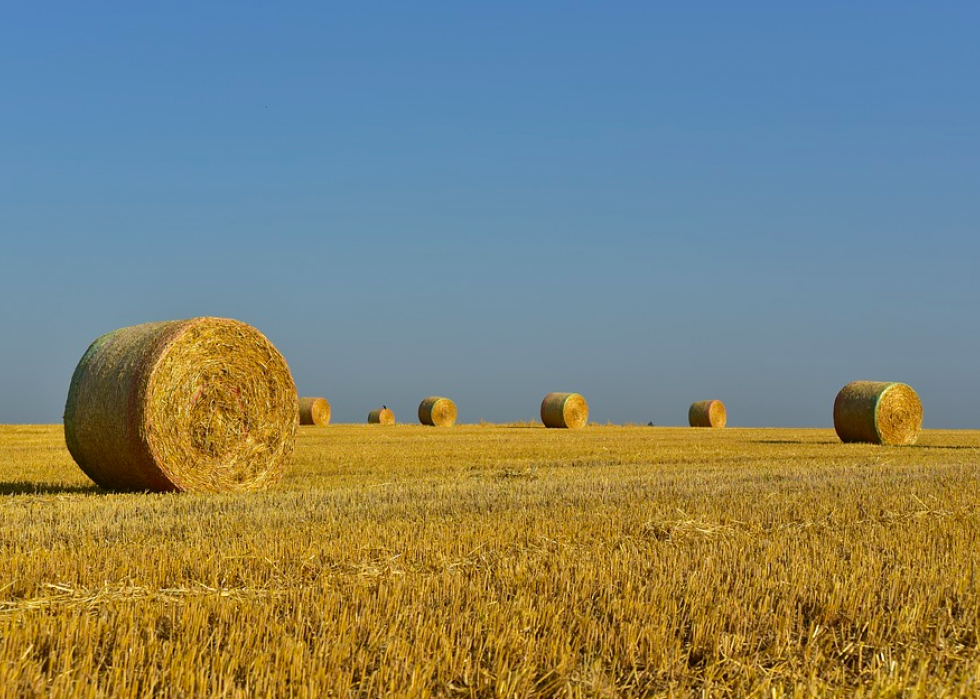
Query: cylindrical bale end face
{"type": "Point", "coordinates": [878, 412]}
{"type": "Point", "coordinates": [437, 411]}
{"type": "Point", "coordinates": [381, 416]}
{"type": "Point", "coordinates": [314, 411]}
{"type": "Point", "coordinates": [202, 405]}
{"type": "Point", "coordinates": [564, 410]}
{"type": "Point", "coordinates": [707, 413]}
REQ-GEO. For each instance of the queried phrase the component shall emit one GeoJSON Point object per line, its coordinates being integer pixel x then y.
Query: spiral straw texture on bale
{"type": "Point", "coordinates": [206, 404]}
{"type": "Point", "coordinates": [567, 410]}
{"type": "Point", "coordinates": [437, 412]}
{"type": "Point", "coordinates": [382, 416]}
{"type": "Point", "coordinates": [314, 411]}
{"type": "Point", "coordinates": [878, 412]}
{"type": "Point", "coordinates": [707, 413]}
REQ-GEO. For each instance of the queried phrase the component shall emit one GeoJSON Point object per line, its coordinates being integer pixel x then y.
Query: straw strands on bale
{"type": "Point", "coordinates": [206, 404]}
{"type": "Point", "coordinates": [707, 413]}
{"type": "Point", "coordinates": [314, 411]}
{"type": "Point", "coordinates": [564, 410]}
{"type": "Point", "coordinates": [878, 412]}
{"type": "Point", "coordinates": [383, 416]}
{"type": "Point", "coordinates": [437, 411]}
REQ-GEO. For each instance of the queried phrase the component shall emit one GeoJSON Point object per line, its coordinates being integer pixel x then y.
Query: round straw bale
{"type": "Point", "coordinates": [878, 412]}
{"type": "Point", "coordinates": [314, 411]}
{"type": "Point", "coordinates": [437, 411]}
{"type": "Point", "coordinates": [382, 416]}
{"type": "Point", "coordinates": [204, 405]}
{"type": "Point", "coordinates": [564, 410]}
{"type": "Point", "coordinates": [707, 413]}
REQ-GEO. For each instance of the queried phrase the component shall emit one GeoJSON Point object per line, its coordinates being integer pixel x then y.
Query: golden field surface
{"type": "Point", "coordinates": [504, 561]}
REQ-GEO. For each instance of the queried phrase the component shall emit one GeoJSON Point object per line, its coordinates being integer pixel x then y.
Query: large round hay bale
{"type": "Point", "coordinates": [314, 411]}
{"type": "Point", "coordinates": [564, 410]}
{"type": "Point", "coordinates": [437, 412]}
{"type": "Point", "coordinates": [879, 412]}
{"type": "Point", "coordinates": [206, 404]}
{"type": "Point", "coordinates": [707, 413]}
{"type": "Point", "coordinates": [382, 416]}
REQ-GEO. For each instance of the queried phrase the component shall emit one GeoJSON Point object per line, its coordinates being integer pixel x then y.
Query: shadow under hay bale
{"type": "Point", "coordinates": [437, 411]}
{"type": "Point", "coordinates": [206, 404]}
{"type": "Point", "coordinates": [878, 412]}
{"type": "Point", "coordinates": [564, 410]}
{"type": "Point", "coordinates": [382, 416]}
{"type": "Point", "coordinates": [314, 411]}
{"type": "Point", "coordinates": [707, 413]}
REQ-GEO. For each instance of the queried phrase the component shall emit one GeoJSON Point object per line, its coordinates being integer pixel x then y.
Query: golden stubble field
{"type": "Point", "coordinates": [504, 561]}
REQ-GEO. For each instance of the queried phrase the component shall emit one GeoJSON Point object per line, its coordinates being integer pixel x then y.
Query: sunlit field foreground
{"type": "Point", "coordinates": [504, 561]}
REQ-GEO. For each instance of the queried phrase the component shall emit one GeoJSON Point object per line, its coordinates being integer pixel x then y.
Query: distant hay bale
{"type": "Point", "coordinates": [204, 405]}
{"type": "Point", "coordinates": [314, 411]}
{"type": "Point", "coordinates": [878, 412]}
{"type": "Point", "coordinates": [707, 413]}
{"type": "Point", "coordinates": [382, 416]}
{"type": "Point", "coordinates": [437, 412]}
{"type": "Point", "coordinates": [567, 410]}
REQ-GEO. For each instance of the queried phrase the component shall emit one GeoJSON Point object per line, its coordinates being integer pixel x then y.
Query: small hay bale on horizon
{"type": "Point", "coordinates": [564, 410]}
{"type": "Point", "coordinates": [314, 411]}
{"type": "Point", "coordinates": [382, 416]}
{"type": "Point", "coordinates": [437, 411]}
{"type": "Point", "coordinates": [878, 412]}
{"type": "Point", "coordinates": [199, 405]}
{"type": "Point", "coordinates": [707, 413]}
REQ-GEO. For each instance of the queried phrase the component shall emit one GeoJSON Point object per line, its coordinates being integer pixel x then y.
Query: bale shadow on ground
{"type": "Point", "coordinates": [795, 441]}
{"type": "Point", "coordinates": [35, 488]}
{"type": "Point", "coordinates": [831, 441]}
{"type": "Point", "coordinates": [975, 447]}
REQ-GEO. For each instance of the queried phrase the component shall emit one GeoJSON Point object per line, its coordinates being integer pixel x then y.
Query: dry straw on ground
{"type": "Point", "coordinates": [493, 561]}
{"type": "Point", "coordinates": [879, 412]}
{"type": "Point", "coordinates": [314, 411]}
{"type": "Point", "coordinates": [437, 411]}
{"type": "Point", "coordinates": [206, 404]}
{"type": "Point", "coordinates": [707, 413]}
{"type": "Point", "coordinates": [564, 410]}
{"type": "Point", "coordinates": [382, 416]}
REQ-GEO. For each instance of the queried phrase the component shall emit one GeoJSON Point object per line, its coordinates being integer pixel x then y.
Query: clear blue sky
{"type": "Point", "coordinates": [647, 204]}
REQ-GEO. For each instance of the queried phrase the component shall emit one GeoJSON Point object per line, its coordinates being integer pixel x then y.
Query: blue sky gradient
{"type": "Point", "coordinates": [649, 205]}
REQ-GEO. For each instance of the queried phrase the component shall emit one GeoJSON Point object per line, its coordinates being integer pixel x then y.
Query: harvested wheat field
{"type": "Point", "coordinates": [504, 561]}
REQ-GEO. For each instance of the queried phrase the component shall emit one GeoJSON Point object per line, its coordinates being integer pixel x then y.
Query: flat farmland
{"type": "Point", "coordinates": [496, 560]}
